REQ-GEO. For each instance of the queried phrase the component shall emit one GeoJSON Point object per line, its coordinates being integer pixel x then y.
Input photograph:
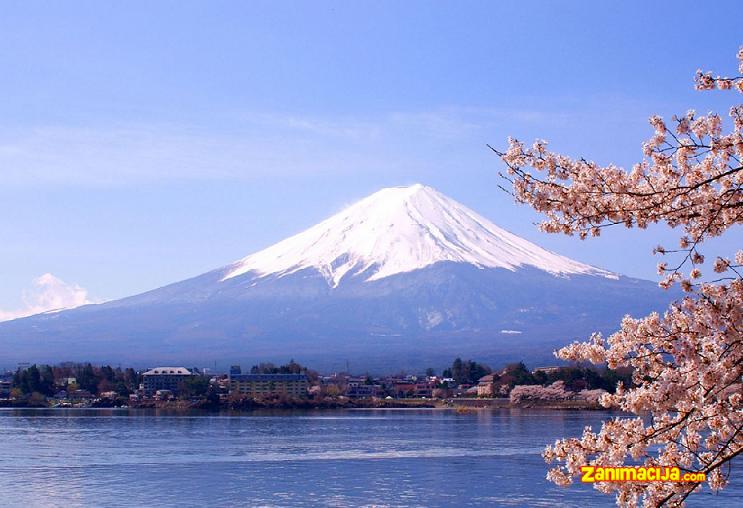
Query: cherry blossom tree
{"type": "Point", "coordinates": [552, 393]}
{"type": "Point", "coordinates": [688, 363]}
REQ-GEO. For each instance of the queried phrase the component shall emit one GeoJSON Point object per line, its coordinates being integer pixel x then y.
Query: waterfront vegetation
{"type": "Point", "coordinates": [87, 385]}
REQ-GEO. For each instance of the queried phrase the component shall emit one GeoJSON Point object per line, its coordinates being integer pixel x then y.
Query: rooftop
{"type": "Point", "coordinates": [176, 371]}
{"type": "Point", "coordinates": [268, 377]}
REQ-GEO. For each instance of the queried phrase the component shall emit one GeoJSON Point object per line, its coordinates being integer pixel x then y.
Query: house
{"type": "Point", "coordinates": [424, 390]}
{"type": "Point", "coordinates": [164, 378]}
{"type": "Point", "coordinates": [66, 381]}
{"type": "Point", "coordinates": [363, 391]}
{"type": "Point", "coordinates": [264, 385]}
{"type": "Point", "coordinates": [164, 394]}
{"type": "Point", "coordinates": [404, 390]}
{"type": "Point", "coordinates": [80, 395]}
{"type": "Point", "coordinates": [485, 386]}
{"type": "Point", "coordinates": [408, 389]}
{"type": "Point", "coordinates": [362, 388]}
{"type": "Point", "coordinates": [470, 391]}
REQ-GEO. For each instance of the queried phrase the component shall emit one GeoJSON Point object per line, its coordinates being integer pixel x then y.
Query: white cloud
{"type": "Point", "coordinates": [510, 332]}
{"type": "Point", "coordinates": [48, 293]}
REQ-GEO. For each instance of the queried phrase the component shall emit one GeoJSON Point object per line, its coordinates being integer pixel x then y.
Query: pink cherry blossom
{"type": "Point", "coordinates": [687, 363]}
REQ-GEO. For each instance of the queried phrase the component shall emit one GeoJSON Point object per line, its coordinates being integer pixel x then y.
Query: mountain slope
{"type": "Point", "coordinates": [401, 229]}
{"type": "Point", "coordinates": [405, 278]}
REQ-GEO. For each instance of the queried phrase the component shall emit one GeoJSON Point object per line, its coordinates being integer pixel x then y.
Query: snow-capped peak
{"type": "Point", "coordinates": [401, 229]}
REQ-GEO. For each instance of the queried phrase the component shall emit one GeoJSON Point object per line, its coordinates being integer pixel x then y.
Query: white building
{"type": "Point", "coordinates": [165, 378]}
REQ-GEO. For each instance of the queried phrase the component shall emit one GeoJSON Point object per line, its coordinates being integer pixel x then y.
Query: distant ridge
{"type": "Point", "coordinates": [406, 278]}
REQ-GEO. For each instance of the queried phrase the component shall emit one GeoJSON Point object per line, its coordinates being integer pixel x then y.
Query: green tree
{"type": "Point", "coordinates": [122, 389]}
{"type": "Point", "coordinates": [195, 386]}
{"type": "Point", "coordinates": [86, 378]}
{"type": "Point", "coordinates": [46, 381]}
{"type": "Point", "coordinates": [467, 372]}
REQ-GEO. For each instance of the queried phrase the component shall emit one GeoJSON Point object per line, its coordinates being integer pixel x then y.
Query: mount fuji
{"type": "Point", "coordinates": [404, 278]}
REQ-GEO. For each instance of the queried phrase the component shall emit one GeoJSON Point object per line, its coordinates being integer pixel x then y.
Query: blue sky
{"type": "Point", "coordinates": [145, 142]}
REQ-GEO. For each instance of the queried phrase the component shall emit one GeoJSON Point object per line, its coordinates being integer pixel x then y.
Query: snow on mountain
{"type": "Point", "coordinates": [404, 279]}
{"type": "Point", "coordinates": [401, 229]}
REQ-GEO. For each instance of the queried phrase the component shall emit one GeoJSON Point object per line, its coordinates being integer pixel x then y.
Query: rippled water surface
{"type": "Point", "coordinates": [346, 458]}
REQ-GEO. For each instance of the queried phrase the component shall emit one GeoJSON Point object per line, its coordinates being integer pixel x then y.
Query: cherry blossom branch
{"type": "Point", "coordinates": [688, 363]}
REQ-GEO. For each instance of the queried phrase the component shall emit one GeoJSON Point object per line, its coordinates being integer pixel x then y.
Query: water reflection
{"type": "Point", "coordinates": [387, 458]}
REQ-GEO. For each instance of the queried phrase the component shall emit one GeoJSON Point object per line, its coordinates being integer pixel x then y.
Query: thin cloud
{"type": "Point", "coordinates": [243, 147]}
{"type": "Point", "coordinates": [48, 293]}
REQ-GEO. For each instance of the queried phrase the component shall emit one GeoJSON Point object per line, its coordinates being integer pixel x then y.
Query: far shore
{"type": "Point", "coordinates": [461, 405]}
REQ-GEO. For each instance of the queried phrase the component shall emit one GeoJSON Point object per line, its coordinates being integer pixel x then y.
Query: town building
{"type": "Point", "coordinates": [165, 378]}
{"type": "Point", "coordinates": [407, 389]}
{"type": "Point", "coordinates": [485, 386]}
{"type": "Point", "coordinates": [80, 395]}
{"type": "Point", "coordinates": [362, 388]}
{"type": "Point", "coordinates": [264, 385]}
{"type": "Point", "coordinates": [363, 391]}
{"type": "Point", "coordinates": [66, 381]}
{"type": "Point", "coordinates": [164, 394]}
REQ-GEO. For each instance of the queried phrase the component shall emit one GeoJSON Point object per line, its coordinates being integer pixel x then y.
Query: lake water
{"type": "Point", "coordinates": [322, 458]}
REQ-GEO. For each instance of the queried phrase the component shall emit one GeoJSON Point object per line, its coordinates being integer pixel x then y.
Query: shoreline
{"type": "Point", "coordinates": [457, 405]}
